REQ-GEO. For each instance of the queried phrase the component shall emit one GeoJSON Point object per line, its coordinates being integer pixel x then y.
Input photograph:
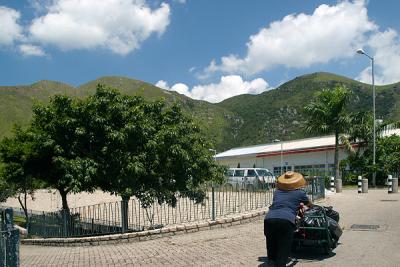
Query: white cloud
{"type": "Point", "coordinates": [227, 87]}
{"type": "Point", "coordinates": [330, 33]}
{"type": "Point", "coordinates": [162, 84]}
{"type": "Point", "coordinates": [386, 58]}
{"type": "Point", "coordinates": [31, 50]}
{"type": "Point", "coordinates": [118, 25]}
{"type": "Point", "coordinates": [10, 30]}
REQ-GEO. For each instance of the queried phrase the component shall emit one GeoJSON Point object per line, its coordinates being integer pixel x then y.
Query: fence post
{"type": "Point", "coordinates": [212, 202]}
{"type": "Point", "coordinates": [359, 184]}
{"type": "Point", "coordinates": [332, 184]}
{"type": "Point", "coordinates": [65, 222]}
{"type": "Point", "coordinates": [390, 183]}
{"type": "Point", "coordinates": [124, 215]}
{"type": "Point", "coordinates": [312, 189]}
{"type": "Point", "coordinates": [322, 185]}
{"type": "Point", "coordinates": [10, 236]}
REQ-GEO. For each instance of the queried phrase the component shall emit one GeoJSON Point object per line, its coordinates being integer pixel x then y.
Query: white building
{"type": "Point", "coordinates": [314, 155]}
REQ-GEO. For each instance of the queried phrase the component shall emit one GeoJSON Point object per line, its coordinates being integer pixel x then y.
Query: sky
{"type": "Point", "coordinates": [206, 49]}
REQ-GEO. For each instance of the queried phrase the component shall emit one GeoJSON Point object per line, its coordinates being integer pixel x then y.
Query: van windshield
{"type": "Point", "coordinates": [264, 173]}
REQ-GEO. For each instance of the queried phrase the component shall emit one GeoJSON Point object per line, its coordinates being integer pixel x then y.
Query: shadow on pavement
{"type": "Point", "coordinates": [308, 254]}
{"type": "Point", "coordinates": [312, 254]}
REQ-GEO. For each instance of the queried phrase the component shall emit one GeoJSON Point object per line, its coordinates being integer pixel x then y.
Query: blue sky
{"type": "Point", "coordinates": [206, 49]}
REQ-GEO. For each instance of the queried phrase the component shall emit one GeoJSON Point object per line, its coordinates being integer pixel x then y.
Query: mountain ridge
{"type": "Point", "coordinates": [237, 121]}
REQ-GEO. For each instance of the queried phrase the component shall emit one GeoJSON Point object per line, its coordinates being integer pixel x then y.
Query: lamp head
{"type": "Point", "coordinates": [360, 51]}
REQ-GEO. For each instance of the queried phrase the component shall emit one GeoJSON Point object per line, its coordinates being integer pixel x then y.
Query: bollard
{"type": "Point", "coordinates": [395, 185]}
{"type": "Point", "coordinates": [338, 185]}
{"type": "Point", "coordinates": [390, 184]}
{"type": "Point", "coordinates": [332, 184]}
{"type": "Point", "coordinates": [359, 184]}
{"type": "Point", "coordinates": [365, 185]}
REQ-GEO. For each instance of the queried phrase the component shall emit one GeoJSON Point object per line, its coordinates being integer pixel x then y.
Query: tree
{"type": "Point", "coordinates": [146, 149]}
{"type": "Point", "coordinates": [60, 155]}
{"type": "Point", "coordinates": [17, 165]}
{"type": "Point", "coordinates": [5, 190]}
{"type": "Point", "coordinates": [360, 132]}
{"type": "Point", "coordinates": [389, 154]}
{"type": "Point", "coordinates": [327, 115]}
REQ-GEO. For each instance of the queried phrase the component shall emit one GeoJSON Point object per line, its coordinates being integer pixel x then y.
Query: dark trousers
{"type": "Point", "coordinates": [279, 235]}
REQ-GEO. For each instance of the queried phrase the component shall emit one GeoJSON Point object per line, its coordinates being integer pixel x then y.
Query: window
{"type": "Point", "coordinates": [315, 169]}
{"type": "Point", "coordinates": [251, 173]}
{"type": "Point", "coordinates": [239, 173]}
{"type": "Point", "coordinates": [277, 170]}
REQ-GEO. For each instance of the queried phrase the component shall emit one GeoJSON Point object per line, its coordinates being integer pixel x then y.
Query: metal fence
{"type": "Point", "coordinates": [117, 217]}
{"type": "Point", "coordinates": [315, 187]}
{"type": "Point", "coordinates": [9, 240]}
{"type": "Point", "coordinates": [106, 218]}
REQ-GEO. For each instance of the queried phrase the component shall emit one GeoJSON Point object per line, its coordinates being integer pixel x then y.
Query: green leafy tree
{"type": "Point", "coordinates": [359, 143]}
{"type": "Point", "coordinates": [146, 149]}
{"type": "Point", "coordinates": [60, 154]}
{"type": "Point", "coordinates": [17, 165]}
{"type": "Point", "coordinates": [389, 154]}
{"type": "Point", "coordinates": [387, 159]}
{"type": "Point", "coordinates": [327, 115]}
{"type": "Point", "coordinates": [5, 190]}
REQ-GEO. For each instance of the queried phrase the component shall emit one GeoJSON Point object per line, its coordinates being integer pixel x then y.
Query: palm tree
{"type": "Point", "coordinates": [327, 115]}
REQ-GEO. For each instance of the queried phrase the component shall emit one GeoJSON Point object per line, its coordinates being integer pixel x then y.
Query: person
{"type": "Point", "coordinates": [279, 222]}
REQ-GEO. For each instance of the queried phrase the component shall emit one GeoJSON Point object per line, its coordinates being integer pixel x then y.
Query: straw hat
{"type": "Point", "coordinates": [291, 181]}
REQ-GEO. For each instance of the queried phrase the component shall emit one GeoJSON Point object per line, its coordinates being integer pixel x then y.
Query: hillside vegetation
{"type": "Point", "coordinates": [237, 121]}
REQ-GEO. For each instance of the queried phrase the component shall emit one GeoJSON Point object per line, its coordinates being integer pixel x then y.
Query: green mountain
{"type": "Point", "coordinates": [278, 114]}
{"type": "Point", "coordinates": [16, 102]}
{"type": "Point", "coordinates": [237, 121]}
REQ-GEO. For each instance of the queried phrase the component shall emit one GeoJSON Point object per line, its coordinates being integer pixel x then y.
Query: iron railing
{"type": "Point", "coordinates": [9, 240]}
{"type": "Point", "coordinates": [119, 217]}
{"type": "Point", "coordinates": [106, 218]}
{"type": "Point", "coordinates": [315, 187]}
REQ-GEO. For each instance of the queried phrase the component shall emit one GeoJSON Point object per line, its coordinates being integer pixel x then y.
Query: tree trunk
{"type": "Point", "coordinates": [24, 208]}
{"type": "Point", "coordinates": [337, 173]}
{"type": "Point", "coordinates": [64, 201]}
{"type": "Point", "coordinates": [65, 213]}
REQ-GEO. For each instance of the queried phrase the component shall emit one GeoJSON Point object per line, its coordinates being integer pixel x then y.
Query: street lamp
{"type": "Point", "coordinates": [361, 52]}
{"type": "Point", "coordinates": [277, 140]}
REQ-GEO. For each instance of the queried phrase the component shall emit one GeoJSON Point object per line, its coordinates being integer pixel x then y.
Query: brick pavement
{"type": "Point", "coordinates": [236, 245]}
{"type": "Point", "coordinates": [244, 245]}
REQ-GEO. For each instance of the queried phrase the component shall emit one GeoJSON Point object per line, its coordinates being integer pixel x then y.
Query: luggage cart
{"type": "Point", "coordinates": [314, 236]}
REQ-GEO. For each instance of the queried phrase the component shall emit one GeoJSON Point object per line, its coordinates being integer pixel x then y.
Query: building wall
{"type": "Point", "coordinates": [291, 161]}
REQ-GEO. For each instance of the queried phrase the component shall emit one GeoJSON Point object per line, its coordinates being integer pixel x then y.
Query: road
{"type": "Point", "coordinates": [244, 245]}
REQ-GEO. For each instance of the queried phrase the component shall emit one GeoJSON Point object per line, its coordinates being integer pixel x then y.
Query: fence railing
{"type": "Point", "coordinates": [107, 218]}
{"type": "Point", "coordinates": [315, 187]}
{"type": "Point", "coordinates": [9, 240]}
{"type": "Point", "coordinates": [118, 217]}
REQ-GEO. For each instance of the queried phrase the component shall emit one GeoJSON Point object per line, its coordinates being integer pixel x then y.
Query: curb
{"type": "Point", "coordinates": [149, 234]}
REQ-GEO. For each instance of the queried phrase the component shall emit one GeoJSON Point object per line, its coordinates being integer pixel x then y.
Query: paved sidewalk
{"type": "Point", "coordinates": [244, 245]}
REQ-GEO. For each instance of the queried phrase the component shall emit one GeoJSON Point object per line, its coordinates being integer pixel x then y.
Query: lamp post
{"type": "Point", "coordinates": [361, 52]}
{"type": "Point", "coordinates": [277, 140]}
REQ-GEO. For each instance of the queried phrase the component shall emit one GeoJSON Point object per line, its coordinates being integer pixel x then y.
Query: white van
{"type": "Point", "coordinates": [257, 177]}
